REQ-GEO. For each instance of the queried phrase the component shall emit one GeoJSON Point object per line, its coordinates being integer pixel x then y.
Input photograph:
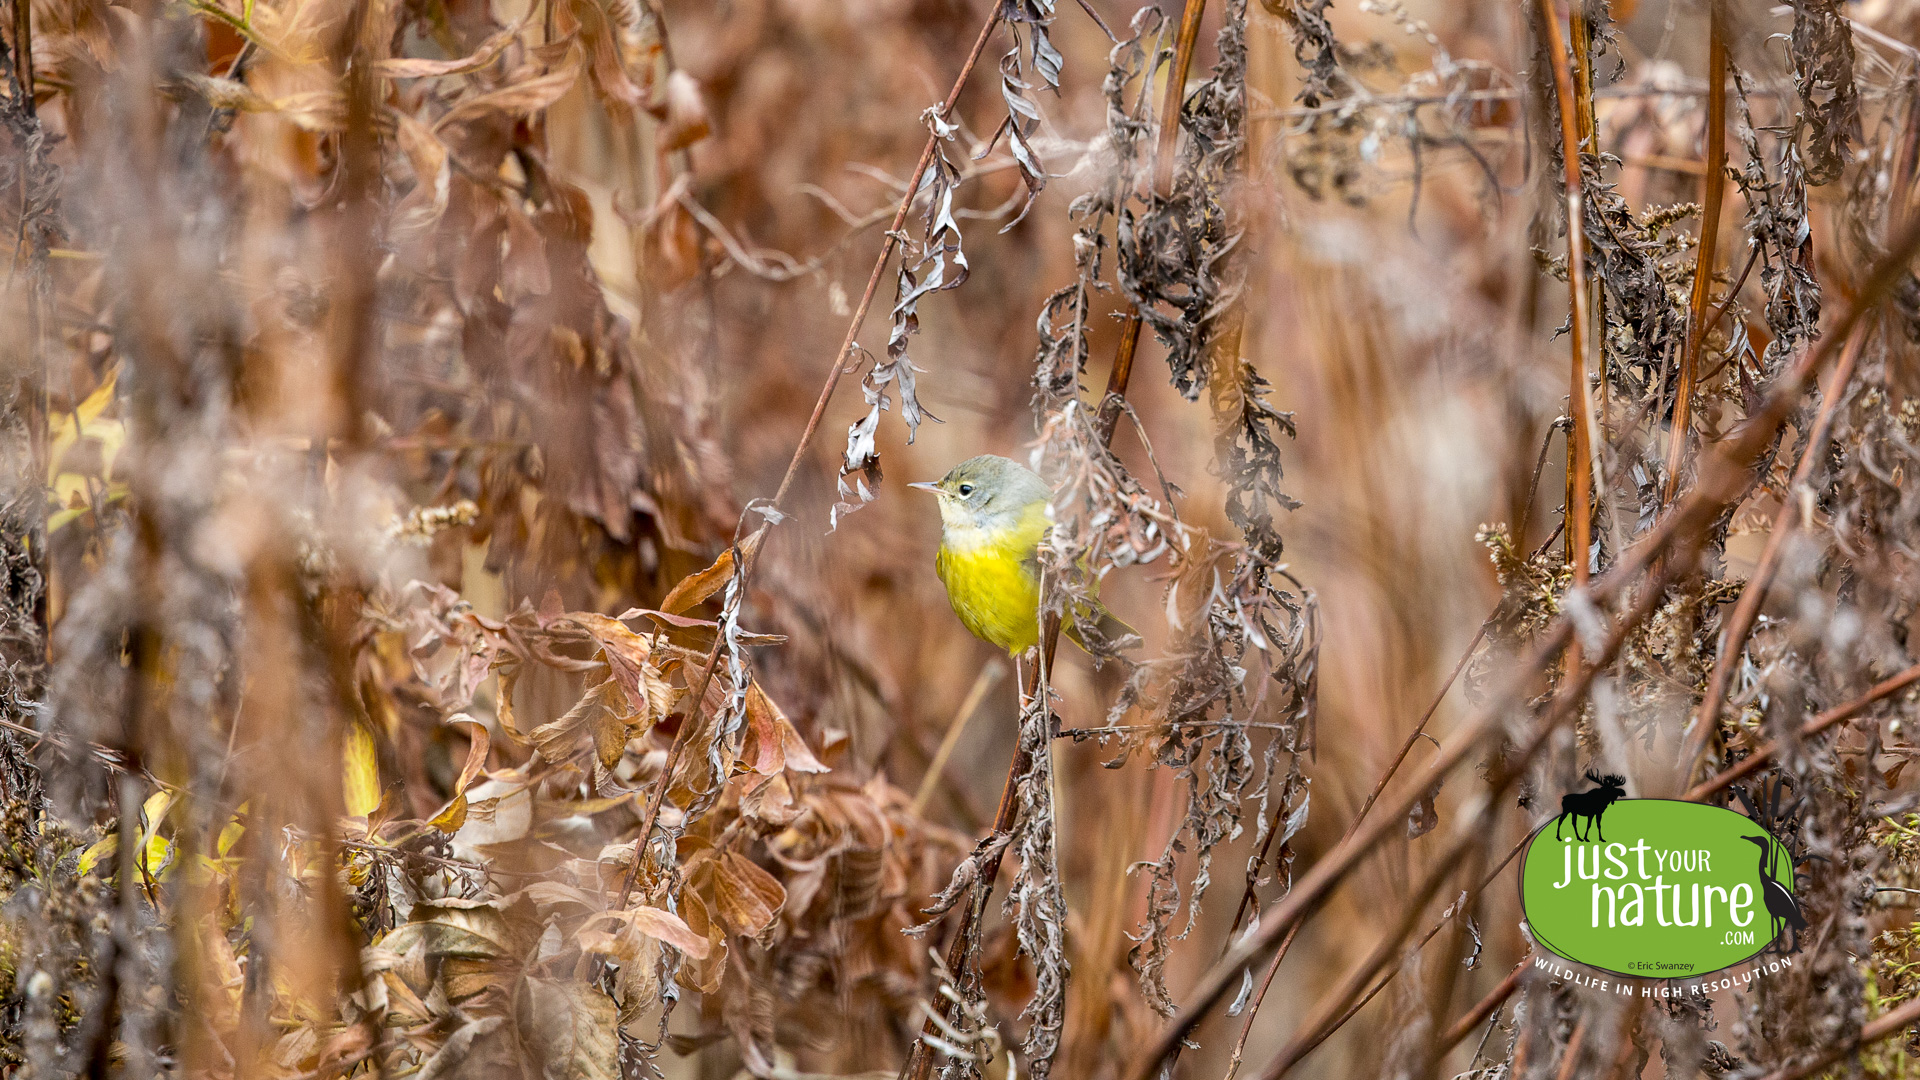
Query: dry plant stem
{"type": "Point", "coordinates": [23, 54]}
{"type": "Point", "coordinates": [1580, 30]}
{"type": "Point", "coordinates": [959, 958]}
{"type": "Point", "coordinates": [1387, 979]}
{"type": "Point", "coordinates": [1725, 475]}
{"type": "Point", "coordinates": [1163, 162]}
{"type": "Point", "coordinates": [1175, 93]}
{"type": "Point", "coordinates": [1811, 728]}
{"type": "Point", "coordinates": [1418, 732]}
{"type": "Point", "coordinates": [751, 546]}
{"type": "Point", "coordinates": [1477, 1015]}
{"type": "Point", "coordinates": [1733, 637]}
{"type": "Point", "coordinates": [1713, 191]}
{"type": "Point", "coordinates": [880, 264]}
{"type": "Point", "coordinates": [1280, 954]}
{"type": "Point", "coordinates": [1109, 414]}
{"type": "Point", "coordinates": [1335, 1012]}
{"type": "Point", "coordinates": [1572, 1056]}
{"type": "Point", "coordinates": [1580, 459]}
{"type": "Point", "coordinates": [988, 678]}
{"type": "Point", "coordinates": [1260, 995]}
{"type": "Point", "coordinates": [1891, 1024]}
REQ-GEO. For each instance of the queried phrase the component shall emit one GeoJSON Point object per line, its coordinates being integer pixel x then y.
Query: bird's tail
{"type": "Point", "coordinates": [1113, 633]}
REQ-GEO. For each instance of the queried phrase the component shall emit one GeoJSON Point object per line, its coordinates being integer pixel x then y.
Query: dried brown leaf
{"type": "Point", "coordinates": [570, 1029]}
{"type": "Point", "coordinates": [697, 586]}
{"type": "Point", "coordinates": [516, 99]}
{"type": "Point", "coordinates": [486, 53]}
{"type": "Point", "coordinates": [748, 897]}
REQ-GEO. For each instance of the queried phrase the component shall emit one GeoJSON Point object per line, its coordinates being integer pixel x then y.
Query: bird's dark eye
{"type": "Point", "coordinates": [966, 490]}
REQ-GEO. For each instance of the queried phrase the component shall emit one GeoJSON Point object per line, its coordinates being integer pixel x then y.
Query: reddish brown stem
{"type": "Point", "coordinates": [1353, 1010]}
{"type": "Point", "coordinates": [23, 57]}
{"type": "Point", "coordinates": [1713, 191]}
{"type": "Point", "coordinates": [1580, 454]}
{"type": "Point", "coordinates": [886, 253]}
{"type": "Point", "coordinates": [1163, 161]}
{"type": "Point", "coordinates": [1280, 954]}
{"type": "Point", "coordinates": [752, 544]}
{"type": "Point", "coordinates": [1477, 1015]}
{"type": "Point", "coordinates": [1336, 1011]}
{"type": "Point", "coordinates": [1726, 475]}
{"type": "Point", "coordinates": [1733, 638]}
{"type": "Point", "coordinates": [1891, 1024]}
{"type": "Point", "coordinates": [1175, 93]}
{"type": "Point", "coordinates": [1811, 728]}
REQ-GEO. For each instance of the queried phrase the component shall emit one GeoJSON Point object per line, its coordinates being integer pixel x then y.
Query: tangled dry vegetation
{"type": "Point", "coordinates": [438, 640]}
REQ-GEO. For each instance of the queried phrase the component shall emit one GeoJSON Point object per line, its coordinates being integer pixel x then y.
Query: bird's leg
{"type": "Point", "coordinates": [1020, 682]}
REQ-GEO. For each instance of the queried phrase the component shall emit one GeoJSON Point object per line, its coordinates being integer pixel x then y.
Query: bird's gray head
{"type": "Point", "coordinates": [987, 492]}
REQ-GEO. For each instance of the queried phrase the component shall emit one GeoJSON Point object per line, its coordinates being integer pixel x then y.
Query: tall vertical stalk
{"type": "Point", "coordinates": [23, 54]}
{"type": "Point", "coordinates": [1713, 190]}
{"type": "Point", "coordinates": [750, 547]}
{"type": "Point", "coordinates": [1163, 162]}
{"type": "Point", "coordinates": [1580, 442]}
{"type": "Point", "coordinates": [919, 1061]}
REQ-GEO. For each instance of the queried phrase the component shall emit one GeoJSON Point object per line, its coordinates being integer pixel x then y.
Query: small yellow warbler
{"type": "Point", "coordinates": [993, 513]}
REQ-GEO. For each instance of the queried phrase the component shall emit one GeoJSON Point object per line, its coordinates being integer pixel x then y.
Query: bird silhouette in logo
{"type": "Point", "coordinates": [1775, 815]}
{"type": "Point", "coordinates": [1588, 805]}
{"type": "Point", "coordinates": [1781, 906]}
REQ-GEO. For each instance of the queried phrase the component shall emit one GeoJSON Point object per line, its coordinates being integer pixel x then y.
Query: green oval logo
{"type": "Point", "coordinates": [1654, 888]}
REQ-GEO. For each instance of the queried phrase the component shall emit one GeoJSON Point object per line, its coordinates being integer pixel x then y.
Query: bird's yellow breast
{"type": "Point", "coordinates": [993, 580]}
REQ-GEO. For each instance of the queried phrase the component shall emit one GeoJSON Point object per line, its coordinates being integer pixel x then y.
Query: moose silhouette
{"type": "Point", "coordinates": [1589, 805]}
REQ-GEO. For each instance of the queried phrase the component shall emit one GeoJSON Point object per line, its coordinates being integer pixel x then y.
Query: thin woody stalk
{"type": "Point", "coordinates": [1713, 191]}
{"type": "Point", "coordinates": [1581, 31]}
{"type": "Point", "coordinates": [919, 1061]}
{"type": "Point", "coordinates": [1386, 777]}
{"type": "Point", "coordinates": [750, 548]}
{"type": "Point", "coordinates": [1733, 639]}
{"type": "Point", "coordinates": [1726, 476]}
{"type": "Point", "coordinates": [23, 56]}
{"type": "Point", "coordinates": [1163, 162]}
{"type": "Point", "coordinates": [1580, 443]}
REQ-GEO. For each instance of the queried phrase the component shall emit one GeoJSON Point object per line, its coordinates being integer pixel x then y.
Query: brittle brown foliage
{"type": "Point", "coordinates": [437, 638]}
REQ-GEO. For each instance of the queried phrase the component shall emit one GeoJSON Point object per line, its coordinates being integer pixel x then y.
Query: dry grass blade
{"type": "Point", "coordinates": [983, 683]}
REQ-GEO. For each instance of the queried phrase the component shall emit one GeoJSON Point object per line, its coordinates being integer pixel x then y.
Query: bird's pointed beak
{"type": "Point", "coordinates": [926, 485]}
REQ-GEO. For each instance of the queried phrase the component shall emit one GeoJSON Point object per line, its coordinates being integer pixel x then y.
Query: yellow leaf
{"type": "Point", "coordinates": [452, 817]}
{"type": "Point", "coordinates": [230, 833]}
{"type": "Point", "coordinates": [360, 782]}
{"type": "Point", "coordinates": [697, 586]}
{"type": "Point", "coordinates": [454, 814]}
{"type": "Point", "coordinates": [154, 810]}
{"type": "Point", "coordinates": [104, 851]}
{"type": "Point", "coordinates": [64, 429]}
